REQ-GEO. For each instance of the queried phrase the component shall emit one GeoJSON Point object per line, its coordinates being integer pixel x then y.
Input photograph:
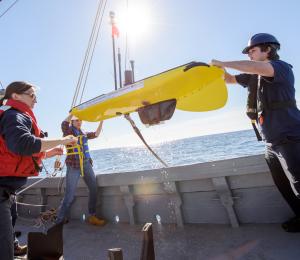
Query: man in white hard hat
{"type": "Point", "coordinates": [72, 125]}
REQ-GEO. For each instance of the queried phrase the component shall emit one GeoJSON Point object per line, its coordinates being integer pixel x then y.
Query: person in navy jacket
{"type": "Point", "coordinates": [276, 114]}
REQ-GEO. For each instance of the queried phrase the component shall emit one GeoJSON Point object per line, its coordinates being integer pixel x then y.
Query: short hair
{"type": "Point", "coordinates": [272, 55]}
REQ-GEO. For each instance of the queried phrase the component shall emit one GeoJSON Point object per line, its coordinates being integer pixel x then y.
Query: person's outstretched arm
{"type": "Point", "coordinates": [248, 66]}
{"type": "Point", "coordinates": [49, 144]}
{"type": "Point", "coordinates": [99, 128]}
{"type": "Point", "coordinates": [65, 126]}
{"type": "Point", "coordinates": [92, 135]}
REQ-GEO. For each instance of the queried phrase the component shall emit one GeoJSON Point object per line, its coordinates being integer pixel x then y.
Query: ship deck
{"type": "Point", "coordinates": [193, 241]}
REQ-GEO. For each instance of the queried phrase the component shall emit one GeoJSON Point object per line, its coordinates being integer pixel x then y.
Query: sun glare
{"type": "Point", "coordinates": [135, 21]}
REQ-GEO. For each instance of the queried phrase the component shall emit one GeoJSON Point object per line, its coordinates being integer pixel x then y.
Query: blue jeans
{"type": "Point", "coordinates": [72, 178]}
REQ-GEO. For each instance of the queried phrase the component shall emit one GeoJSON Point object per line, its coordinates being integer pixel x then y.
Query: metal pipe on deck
{"type": "Point", "coordinates": [115, 254]}
{"type": "Point", "coordinates": [148, 245]}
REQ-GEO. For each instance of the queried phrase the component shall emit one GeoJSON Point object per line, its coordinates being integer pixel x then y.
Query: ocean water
{"type": "Point", "coordinates": [174, 153]}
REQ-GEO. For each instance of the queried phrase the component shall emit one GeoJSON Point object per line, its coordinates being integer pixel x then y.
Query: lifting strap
{"type": "Point", "coordinates": [138, 132]}
{"type": "Point", "coordinates": [79, 152]}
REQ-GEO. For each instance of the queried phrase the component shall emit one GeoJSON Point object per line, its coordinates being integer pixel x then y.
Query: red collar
{"type": "Point", "coordinates": [22, 107]}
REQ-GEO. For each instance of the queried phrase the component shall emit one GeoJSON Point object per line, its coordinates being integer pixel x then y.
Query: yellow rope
{"type": "Point", "coordinates": [81, 156]}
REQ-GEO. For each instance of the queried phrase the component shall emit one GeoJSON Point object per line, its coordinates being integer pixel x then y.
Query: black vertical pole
{"type": "Point", "coordinates": [132, 69]}
{"type": "Point", "coordinates": [112, 21]}
{"type": "Point", "coordinates": [114, 58]}
{"type": "Point", "coordinates": [120, 73]}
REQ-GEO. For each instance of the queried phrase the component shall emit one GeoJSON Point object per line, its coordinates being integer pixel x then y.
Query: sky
{"type": "Point", "coordinates": [44, 42]}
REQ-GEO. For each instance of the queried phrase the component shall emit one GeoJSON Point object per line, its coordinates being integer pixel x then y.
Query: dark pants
{"type": "Point", "coordinates": [284, 163]}
{"type": "Point", "coordinates": [14, 216]}
{"type": "Point", "coordinates": [6, 229]}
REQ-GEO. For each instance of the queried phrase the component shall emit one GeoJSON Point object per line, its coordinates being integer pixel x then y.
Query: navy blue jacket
{"type": "Point", "coordinates": [279, 124]}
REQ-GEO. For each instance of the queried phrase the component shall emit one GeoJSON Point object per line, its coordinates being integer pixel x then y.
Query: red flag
{"type": "Point", "coordinates": [115, 31]}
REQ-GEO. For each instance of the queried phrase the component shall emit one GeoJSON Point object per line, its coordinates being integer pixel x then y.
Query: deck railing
{"type": "Point", "coordinates": [231, 191]}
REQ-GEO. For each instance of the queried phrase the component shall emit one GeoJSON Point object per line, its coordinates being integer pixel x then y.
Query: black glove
{"type": "Point", "coordinates": [194, 64]}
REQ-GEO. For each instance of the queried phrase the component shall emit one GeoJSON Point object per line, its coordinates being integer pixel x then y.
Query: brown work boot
{"type": "Point", "coordinates": [93, 220]}
{"type": "Point", "coordinates": [20, 250]}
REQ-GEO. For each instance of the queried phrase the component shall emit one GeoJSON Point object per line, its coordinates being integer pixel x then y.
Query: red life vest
{"type": "Point", "coordinates": [12, 164]}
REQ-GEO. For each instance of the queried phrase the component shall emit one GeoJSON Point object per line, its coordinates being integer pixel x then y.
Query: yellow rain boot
{"type": "Point", "coordinates": [93, 220]}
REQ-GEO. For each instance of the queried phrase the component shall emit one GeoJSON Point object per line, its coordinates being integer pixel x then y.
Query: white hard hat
{"type": "Point", "coordinates": [74, 118]}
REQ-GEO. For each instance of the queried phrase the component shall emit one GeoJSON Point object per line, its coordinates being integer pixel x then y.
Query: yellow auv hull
{"type": "Point", "coordinates": [198, 89]}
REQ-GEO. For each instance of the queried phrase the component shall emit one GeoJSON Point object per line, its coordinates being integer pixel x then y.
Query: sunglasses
{"type": "Point", "coordinates": [32, 95]}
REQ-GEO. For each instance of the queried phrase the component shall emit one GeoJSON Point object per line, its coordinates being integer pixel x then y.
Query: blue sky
{"type": "Point", "coordinates": [44, 42]}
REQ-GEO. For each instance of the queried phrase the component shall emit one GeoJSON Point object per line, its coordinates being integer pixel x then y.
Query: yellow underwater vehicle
{"type": "Point", "coordinates": [195, 87]}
